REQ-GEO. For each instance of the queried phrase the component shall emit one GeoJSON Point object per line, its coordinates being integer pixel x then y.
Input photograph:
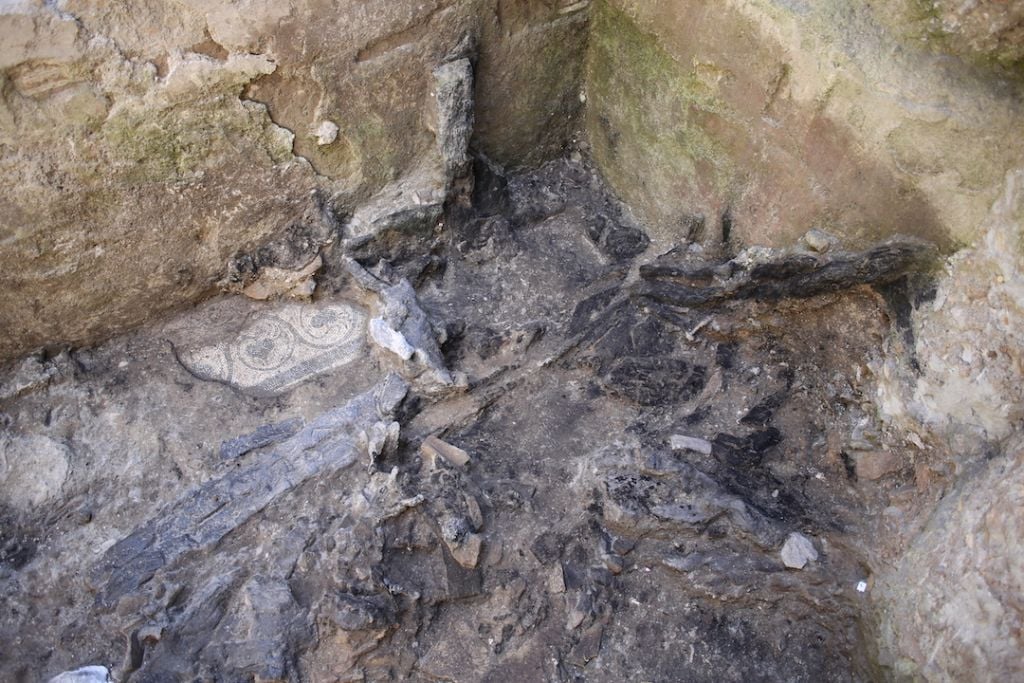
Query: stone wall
{"type": "Point", "coordinates": [986, 33]}
{"type": "Point", "coordinates": [969, 341]}
{"type": "Point", "coordinates": [145, 143]}
{"type": "Point", "coordinates": [946, 609]}
{"type": "Point", "coordinates": [951, 610]}
{"type": "Point", "coordinates": [792, 115]}
{"type": "Point", "coordinates": [865, 119]}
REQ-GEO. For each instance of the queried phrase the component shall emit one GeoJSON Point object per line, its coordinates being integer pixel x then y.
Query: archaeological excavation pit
{"type": "Point", "coordinates": [511, 340]}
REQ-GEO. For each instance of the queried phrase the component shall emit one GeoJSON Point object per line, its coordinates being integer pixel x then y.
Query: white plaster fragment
{"type": "Point", "coordinates": [326, 133]}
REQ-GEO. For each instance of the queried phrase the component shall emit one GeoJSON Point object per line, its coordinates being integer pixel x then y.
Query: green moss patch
{"type": "Point", "coordinates": [647, 113]}
{"type": "Point", "coordinates": [161, 145]}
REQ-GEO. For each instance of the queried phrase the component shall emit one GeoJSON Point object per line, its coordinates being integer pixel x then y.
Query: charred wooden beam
{"type": "Point", "coordinates": [782, 276]}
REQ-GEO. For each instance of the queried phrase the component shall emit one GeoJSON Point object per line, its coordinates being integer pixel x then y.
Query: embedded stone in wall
{"type": "Point", "coordinates": [414, 202]}
{"type": "Point", "coordinates": [968, 340]}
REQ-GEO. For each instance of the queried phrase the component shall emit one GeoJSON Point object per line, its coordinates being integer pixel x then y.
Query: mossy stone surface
{"type": "Point", "coordinates": [790, 116]}
{"type": "Point", "coordinates": [644, 115]}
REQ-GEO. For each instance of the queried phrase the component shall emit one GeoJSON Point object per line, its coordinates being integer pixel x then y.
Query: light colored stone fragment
{"type": "Point", "coordinates": [86, 674]}
{"type": "Point", "coordinates": [401, 313]}
{"type": "Point", "coordinates": [819, 240]}
{"type": "Point", "coordinates": [32, 470]}
{"type": "Point", "coordinates": [797, 551]}
{"type": "Point", "coordinates": [680, 442]}
{"type": "Point", "coordinates": [556, 581]}
{"type": "Point", "coordinates": [382, 439]}
{"type": "Point", "coordinates": [434, 447]}
{"type": "Point", "coordinates": [576, 610]}
{"type": "Point", "coordinates": [326, 133]}
{"type": "Point", "coordinates": [467, 553]}
{"type": "Point", "coordinates": [453, 86]}
{"type": "Point", "coordinates": [390, 339]}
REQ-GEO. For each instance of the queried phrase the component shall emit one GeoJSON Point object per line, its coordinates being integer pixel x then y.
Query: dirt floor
{"type": "Point", "coordinates": [242, 492]}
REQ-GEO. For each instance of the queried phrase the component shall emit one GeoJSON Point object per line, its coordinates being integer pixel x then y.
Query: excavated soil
{"type": "Point", "coordinates": [204, 516]}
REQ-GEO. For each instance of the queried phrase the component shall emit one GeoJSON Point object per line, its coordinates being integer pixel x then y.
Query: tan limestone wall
{"type": "Point", "coordinates": [866, 119]}
{"type": "Point", "coordinates": [144, 143]}
{"type": "Point", "coordinates": [951, 609]}
{"type": "Point", "coordinates": [794, 115]}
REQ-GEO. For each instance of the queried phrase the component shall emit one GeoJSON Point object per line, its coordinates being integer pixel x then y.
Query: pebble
{"type": "Point", "coordinates": [86, 674]}
{"type": "Point", "coordinates": [434, 447]}
{"type": "Point", "coordinates": [797, 551]}
{"type": "Point", "coordinates": [614, 564]}
{"type": "Point", "coordinates": [326, 133]}
{"type": "Point", "coordinates": [819, 240]}
{"type": "Point", "coordinates": [467, 553]}
{"type": "Point", "coordinates": [556, 581]}
{"type": "Point", "coordinates": [690, 443]}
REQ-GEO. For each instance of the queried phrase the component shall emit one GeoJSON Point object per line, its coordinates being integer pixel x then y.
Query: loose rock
{"type": "Point", "coordinates": [467, 552]}
{"type": "Point", "coordinates": [403, 325]}
{"type": "Point", "coordinates": [86, 674]}
{"type": "Point", "coordinates": [690, 443]}
{"type": "Point", "coordinates": [797, 551]}
{"type": "Point", "coordinates": [434, 447]}
{"type": "Point", "coordinates": [819, 240]}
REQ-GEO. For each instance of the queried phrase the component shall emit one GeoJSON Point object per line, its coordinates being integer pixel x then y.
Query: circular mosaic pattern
{"type": "Point", "coordinates": [267, 345]}
{"type": "Point", "coordinates": [328, 326]}
{"type": "Point", "coordinates": [282, 347]}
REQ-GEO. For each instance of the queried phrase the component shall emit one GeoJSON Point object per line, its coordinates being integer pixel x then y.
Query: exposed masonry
{"type": "Point", "coordinates": [472, 424]}
{"type": "Point", "coordinates": [546, 437]}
